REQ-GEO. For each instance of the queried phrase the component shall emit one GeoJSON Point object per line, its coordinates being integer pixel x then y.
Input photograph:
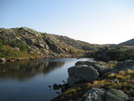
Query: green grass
{"type": "Point", "coordinates": [9, 52]}
{"type": "Point", "coordinates": [120, 55]}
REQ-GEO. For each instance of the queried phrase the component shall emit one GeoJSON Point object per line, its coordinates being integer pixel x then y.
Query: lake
{"type": "Point", "coordinates": [29, 80]}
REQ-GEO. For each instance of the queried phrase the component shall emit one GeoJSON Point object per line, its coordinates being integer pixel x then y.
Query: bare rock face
{"type": "Point", "coordinates": [82, 73]}
{"type": "Point", "coordinates": [99, 67]}
{"type": "Point", "coordinates": [42, 43]}
{"type": "Point", "coordinates": [32, 37]}
{"type": "Point", "coordinates": [96, 94]}
{"type": "Point", "coordinates": [36, 41]}
{"type": "Point", "coordinates": [100, 94]}
{"type": "Point", "coordinates": [116, 95]}
{"type": "Point", "coordinates": [54, 46]}
{"type": "Point", "coordinates": [123, 66]}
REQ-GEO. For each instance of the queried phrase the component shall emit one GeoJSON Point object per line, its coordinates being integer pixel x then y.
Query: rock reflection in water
{"type": "Point", "coordinates": [26, 70]}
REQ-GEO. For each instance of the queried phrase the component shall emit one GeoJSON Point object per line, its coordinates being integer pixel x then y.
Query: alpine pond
{"type": "Point", "coordinates": [33, 80]}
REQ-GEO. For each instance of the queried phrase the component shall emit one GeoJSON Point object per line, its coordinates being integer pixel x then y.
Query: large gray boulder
{"type": "Point", "coordinates": [88, 63]}
{"type": "Point", "coordinates": [82, 73]}
{"type": "Point", "coordinates": [95, 94]}
{"type": "Point", "coordinates": [99, 67]}
{"type": "Point", "coordinates": [116, 95]}
{"type": "Point", "coordinates": [123, 66]}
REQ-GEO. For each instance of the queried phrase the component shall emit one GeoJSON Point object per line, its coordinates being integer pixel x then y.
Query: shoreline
{"type": "Point", "coordinates": [4, 60]}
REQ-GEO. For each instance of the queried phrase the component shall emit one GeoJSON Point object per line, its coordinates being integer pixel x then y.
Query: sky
{"type": "Point", "coordinates": [93, 21]}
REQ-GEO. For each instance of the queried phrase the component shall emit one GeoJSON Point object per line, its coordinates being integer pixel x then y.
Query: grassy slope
{"type": "Point", "coordinates": [9, 52]}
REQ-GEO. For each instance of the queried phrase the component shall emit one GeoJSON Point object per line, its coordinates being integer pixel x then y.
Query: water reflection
{"type": "Point", "coordinates": [26, 70]}
{"type": "Point", "coordinates": [29, 81]}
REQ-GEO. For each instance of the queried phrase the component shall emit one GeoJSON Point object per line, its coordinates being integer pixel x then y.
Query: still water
{"type": "Point", "coordinates": [29, 80]}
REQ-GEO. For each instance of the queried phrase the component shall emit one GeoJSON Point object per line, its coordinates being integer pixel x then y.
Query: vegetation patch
{"type": "Point", "coordinates": [124, 81]}
{"type": "Point", "coordinates": [120, 55]}
{"type": "Point", "coordinates": [74, 93]}
{"type": "Point", "coordinates": [14, 49]}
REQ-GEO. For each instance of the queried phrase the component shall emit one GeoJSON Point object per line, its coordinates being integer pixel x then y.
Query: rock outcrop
{"type": "Point", "coordinates": [100, 87]}
{"type": "Point", "coordinates": [82, 73]}
{"type": "Point", "coordinates": [75, 43]}
{"type": "Point", "coordinates": [101, 68]}
{"type": "Point", "coordinates": [95, 94]}
{"type": "Point", "coordinates": [35, 40]}
{"type": "Point", "coordinates": [86, 71]}
{"type": "Point", "coordinates": [101, 54]}
{"type": "Point", "coordinates": [42, 43]}
{"type": "Point", "coordinates": [100, 94]}
{"type": "Point", "coordinates": [123, 66]}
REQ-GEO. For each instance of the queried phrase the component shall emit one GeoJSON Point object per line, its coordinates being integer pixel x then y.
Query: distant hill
{"type": "Point", "coordinates": [72, 42]}
{"type": "Point", "coordinates": [24, 38]}
{"type": "Point", "coordinates": [128, 43]}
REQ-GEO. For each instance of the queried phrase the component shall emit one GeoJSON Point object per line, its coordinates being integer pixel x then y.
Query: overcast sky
{"type": "Point", "coordinates": [93, 21]}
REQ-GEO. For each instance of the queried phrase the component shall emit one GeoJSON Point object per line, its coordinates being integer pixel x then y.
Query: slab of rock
{"type": "Point", "coordinates": [54, 46]}
{"type": "Point", "coordinates": [116, 95]}
{"type": "Point", "coordinates": [83, 72]}
{"type": "Point", "coordinates": [96, 94]}
{"type": "Point", "coordinates": [100, 67]}
{"type": "Point", "coordinates": [123, 66]}
{"type": "Point", "coordinates": [100, 94]}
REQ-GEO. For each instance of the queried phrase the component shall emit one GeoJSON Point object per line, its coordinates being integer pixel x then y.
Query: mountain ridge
{"type": "Point", "coordinates": [128, 42]}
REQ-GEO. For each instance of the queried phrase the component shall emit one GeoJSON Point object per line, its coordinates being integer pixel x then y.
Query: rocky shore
{"type": "Point", "coordinates": [100, 81]}
{"type": "Point", "coordinates": [23, 41]}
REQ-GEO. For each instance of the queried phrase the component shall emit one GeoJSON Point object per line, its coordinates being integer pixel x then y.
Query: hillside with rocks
{"type": "Point", "coordinates": [26, 39]}
{"type": "Point", "coordinates": [33, 39]}
{"type": "Point", "coordinates": [75, 43]}
{"type": "Point", "coordinates": [26, 42]}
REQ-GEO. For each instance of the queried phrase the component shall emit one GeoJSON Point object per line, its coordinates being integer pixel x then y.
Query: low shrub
{"type": "Point", "coordinates": [120, 54]}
